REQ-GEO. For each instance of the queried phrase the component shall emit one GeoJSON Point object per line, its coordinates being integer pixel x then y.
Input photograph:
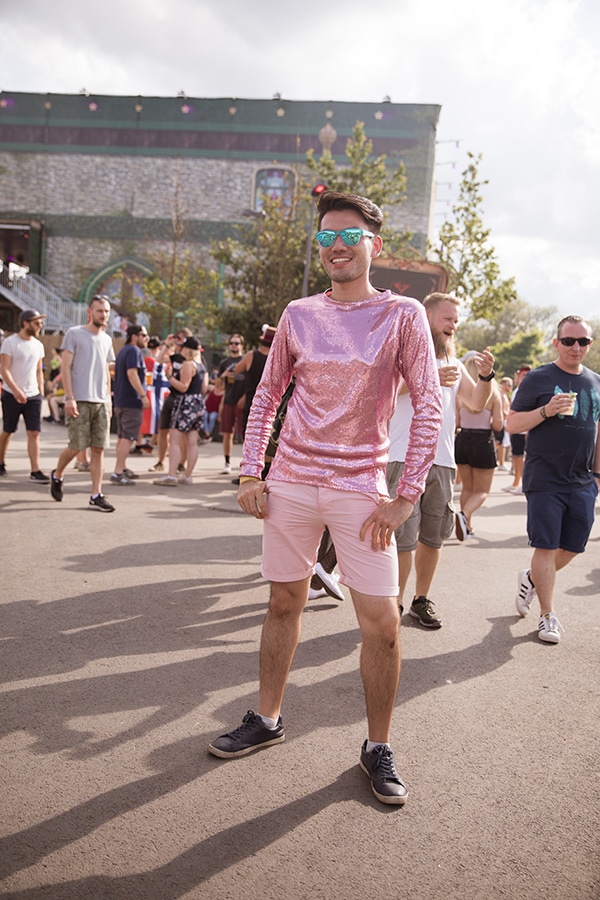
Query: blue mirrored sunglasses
{"type": "Point", "coordinates": [350, 236]}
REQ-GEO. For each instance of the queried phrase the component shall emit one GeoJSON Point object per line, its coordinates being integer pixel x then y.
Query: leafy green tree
{"type": "Point", "coordinates": [179, 292]}
{"type": "Point", "coordinates": [466, 252]}
{"type": "Point", "coordinates": [515, 319]}
{"type": "Point", "coordinates": [527, 348]}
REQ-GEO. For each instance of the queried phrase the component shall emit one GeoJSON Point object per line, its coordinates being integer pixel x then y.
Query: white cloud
{"type": "Point", "coordinates": [518, 80]}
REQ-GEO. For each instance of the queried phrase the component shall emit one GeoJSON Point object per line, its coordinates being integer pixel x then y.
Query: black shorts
{"type": "Point", "coordinates": [475, 447]}
{"type": "Point", "coordinates": [517, 444]}
{"type": "Point", "coordinates": [31, 412]}
{"type": "Point", "coordinates": [165, 412]}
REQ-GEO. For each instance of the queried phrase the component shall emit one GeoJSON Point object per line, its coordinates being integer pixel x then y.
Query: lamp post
{"type": "Point", "coordinates": [316, 192]}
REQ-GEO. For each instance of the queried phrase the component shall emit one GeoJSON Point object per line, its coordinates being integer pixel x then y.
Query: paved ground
{"type": "Point", "coordinates": [130, 639]}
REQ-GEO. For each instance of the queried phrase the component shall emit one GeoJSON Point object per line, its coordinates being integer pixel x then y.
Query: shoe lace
{"type": "Point", "coordinates": [249, 721]}
{"type": "Point", "coordinates": [385, 765]}
{"type": "Point", "coordinates": [553, 623]}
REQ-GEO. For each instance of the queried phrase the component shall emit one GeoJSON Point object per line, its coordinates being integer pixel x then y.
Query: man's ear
{"type": "Point", "coordinates": [377, 246]}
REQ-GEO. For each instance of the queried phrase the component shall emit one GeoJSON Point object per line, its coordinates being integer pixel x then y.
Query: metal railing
{"type": "Point", "coordinates": [32, 292]}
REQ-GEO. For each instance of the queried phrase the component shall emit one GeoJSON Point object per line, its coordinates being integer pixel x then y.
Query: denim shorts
{"type": "Point", "coordinates": [561, 520]}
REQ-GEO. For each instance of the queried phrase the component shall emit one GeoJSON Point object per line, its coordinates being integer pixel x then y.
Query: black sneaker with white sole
{"type": "Point", "coordinates": [101, 504]}
{"type": "Point", "coordinates": [39, 477]}
{"type": "Point", "coordinates": [422, 608]}
{"type": "Point", "coordinates": [56, 486]}
{"type": "Point", "coordinates": [386, 784]}
{"type": "Point", "coordinates": [251, 735]}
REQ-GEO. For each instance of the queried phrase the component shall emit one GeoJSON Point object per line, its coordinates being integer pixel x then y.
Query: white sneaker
{"type": "Point", "coordinates": [226, 470]}
{"type": "Point", "coordinates": [462, 531]}
{"type": "Point", "coordinates": [166, 481]}
{"type": "Point", "coordinates": [314, 595]}
{"type": "Point", "coordinates": [525, 593]}
{"type": "Point", "coordinates": [185, 479]}
{"type": "Point", "coordinates": [509, 488]}
{"type": "Point", "coordinates": [501, 468]}
{"type": "Point", "coordinates": [329, 580]}
{"type": "Point", "coordinates": [549, 628]}
{"type": "Point", "coordinates": [517, 490]}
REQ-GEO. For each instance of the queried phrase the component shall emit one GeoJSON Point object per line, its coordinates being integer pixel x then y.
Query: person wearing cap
{"type": "Point", "coordinates": [22, 374]}
{"type": "Point", "coordinates": [187, 415]}
{"type": "Point", "coordinates": [87, 352]}
{"type": "Point", "coordinates": [252, 365]}
{"type": "Point", "coordinates": [129, 399]}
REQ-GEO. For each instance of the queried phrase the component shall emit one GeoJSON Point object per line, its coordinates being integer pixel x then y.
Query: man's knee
{"type": "Point", "coordinates": [288, 598]}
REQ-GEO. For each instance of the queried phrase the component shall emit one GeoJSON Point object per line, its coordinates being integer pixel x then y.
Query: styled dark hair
{"type": "Point", "coordinates": [334, 200]}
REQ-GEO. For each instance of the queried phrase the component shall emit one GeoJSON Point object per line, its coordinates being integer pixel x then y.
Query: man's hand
{"type": "Point", "coordinates": [484, 362]}
{"type": "Point", "coordinates": [252, 497]}
{"type": "Point", "coordinates": [387, 517]}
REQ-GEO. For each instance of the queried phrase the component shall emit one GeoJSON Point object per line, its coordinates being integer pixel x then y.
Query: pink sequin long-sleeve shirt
{"type": "Point", "coordinates": [348, 359]}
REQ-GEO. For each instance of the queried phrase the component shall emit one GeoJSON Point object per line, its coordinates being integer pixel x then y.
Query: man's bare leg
{"type": "Point", "coordinates": [544, 566]}
{"type": "Point", "coordinates": [279, 639]}
{"type": "Point", "coordinates": [380, 660]}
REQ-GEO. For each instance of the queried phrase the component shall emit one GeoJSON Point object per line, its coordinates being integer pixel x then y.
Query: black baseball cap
{"type": "Point", "coordinates": [28, 314]}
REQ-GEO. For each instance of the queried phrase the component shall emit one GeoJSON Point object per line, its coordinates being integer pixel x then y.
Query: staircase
{"type": "Point", "coordinates": [32, 292]}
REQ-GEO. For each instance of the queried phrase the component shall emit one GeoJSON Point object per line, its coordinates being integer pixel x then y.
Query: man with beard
{"type": "Point", "coordinates": [348, 349]}
{"type": "Point", "coordinates": [23, 389]}
{"type": "Point", "coordinates": [432, 519]}
{"type": "Point", "coordinates": [87, 351]}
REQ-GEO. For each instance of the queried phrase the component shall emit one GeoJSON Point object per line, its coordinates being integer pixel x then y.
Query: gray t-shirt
{"type": "Point", "coordinates": [91, 353]}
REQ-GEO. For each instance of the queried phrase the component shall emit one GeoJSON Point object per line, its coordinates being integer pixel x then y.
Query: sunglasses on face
{"type": "Point", "coordinates": [568, 342]}
{"type": "Point", "coordinates": [234, 343]}
{"type": "Point", "coordinates": [350, 236]}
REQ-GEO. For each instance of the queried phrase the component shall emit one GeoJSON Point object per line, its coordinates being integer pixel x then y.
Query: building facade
{"type": "Point", "coordinates": [91, 185]}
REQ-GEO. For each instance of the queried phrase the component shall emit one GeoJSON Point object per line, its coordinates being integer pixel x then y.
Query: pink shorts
{"type": "Point", "coordinates": [296, 517]}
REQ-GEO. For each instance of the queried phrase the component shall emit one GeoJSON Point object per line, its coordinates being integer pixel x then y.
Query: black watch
{"type": "Point", "coordinates": [487, 377]}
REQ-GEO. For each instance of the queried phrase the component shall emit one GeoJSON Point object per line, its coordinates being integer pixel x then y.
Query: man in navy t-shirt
{"type": "Point", "coordinates": [130, 399]}
{"type": "Point", "coordinates": [559, 406]}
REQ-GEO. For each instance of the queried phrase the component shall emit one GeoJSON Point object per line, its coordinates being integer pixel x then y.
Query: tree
{"type": "Point", "coordinates": [466, 252]}
{"type": "Point", "coordinates": [265, 265]}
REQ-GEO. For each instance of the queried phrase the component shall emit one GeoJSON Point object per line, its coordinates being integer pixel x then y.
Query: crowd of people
{"type": "Point", "coordinates": [355, 415]}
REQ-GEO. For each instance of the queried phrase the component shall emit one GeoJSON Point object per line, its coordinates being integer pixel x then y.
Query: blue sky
{"type": "Point", "coordinates": [517, 80]}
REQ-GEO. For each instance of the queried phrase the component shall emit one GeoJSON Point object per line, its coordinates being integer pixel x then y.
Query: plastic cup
{"type": "Point", "coordinates": [571, 409]}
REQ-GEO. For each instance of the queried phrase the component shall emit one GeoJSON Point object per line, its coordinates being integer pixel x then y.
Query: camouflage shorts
{"type": "Point", "coordinates": [90, 428]}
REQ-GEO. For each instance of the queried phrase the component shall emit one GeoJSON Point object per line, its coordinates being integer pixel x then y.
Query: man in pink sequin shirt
{"type": "Point", "coordinates": [349, 349]}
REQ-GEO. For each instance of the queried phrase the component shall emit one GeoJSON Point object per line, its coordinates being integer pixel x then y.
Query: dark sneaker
{"type": "Point", "coordinates": [252, 735]}
{"type": "Point", "coordinates": [386, 784]}
{"type": "Point", "coordinates": [39, 477]}
{"type": "Point", "coordinates": [157, 467]}
{"type": "Point", "coordinates": [328, 581]}
{"type": "Point", "coordinates": [101, 504]}
{"type": "Point", "coordinates": [2, 469]}
{"type": "Point", "coordinates": [129, 474]}
{"type": "Point", "coordinates": [423, 609]}
{"type": "Point", "coordinates": [56, 486]}
{"type": "Point", "coordinates": [120, 478]}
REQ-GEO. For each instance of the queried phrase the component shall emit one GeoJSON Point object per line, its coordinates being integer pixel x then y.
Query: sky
{"type": "Point", "coordinates": [517, 80]}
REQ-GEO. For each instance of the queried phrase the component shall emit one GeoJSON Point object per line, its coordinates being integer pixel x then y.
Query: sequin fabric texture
{"type": "Point", "coordinates": [348, 359]}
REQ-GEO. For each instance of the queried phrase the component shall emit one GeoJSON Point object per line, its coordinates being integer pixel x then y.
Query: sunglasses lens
{"type": "Point", "coordinates": [325, 238]}
{"type": "Point", "coordinates": [351, 236]}
{"type": "Point", "coordinates": [568, 342]}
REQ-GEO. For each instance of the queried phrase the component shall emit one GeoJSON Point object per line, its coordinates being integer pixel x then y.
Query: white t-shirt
{"type": "Point", "coordinates": [25, 356]}
{"type": "Point", "coordinates": [402, 418]}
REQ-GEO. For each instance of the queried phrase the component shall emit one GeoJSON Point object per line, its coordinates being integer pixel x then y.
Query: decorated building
{"type": "Point", "coordinates": [90, 185]}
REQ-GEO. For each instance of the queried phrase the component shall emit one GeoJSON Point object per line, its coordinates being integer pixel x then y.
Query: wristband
{"type": "Point", "coordinates": [487, 377]}
{"type": "Point", "coordinates": [245, 478]}
{"type": "Point", "coordinates": [69, 398]}
{"type": "Point", "coordinates": [543, 412]}
{"type": "Point", "coordinates": [596, 474]}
